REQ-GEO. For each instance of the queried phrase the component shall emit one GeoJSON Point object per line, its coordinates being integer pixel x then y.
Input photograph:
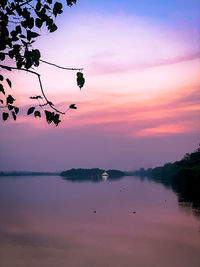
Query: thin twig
{"type": "Point", "coordinates": [46, 97]}
{"type": "Point", "coordinates": [78, 69]}
{"type": "Point", "coordinates": [15, 22]}
{"type": "Point", "coordinates": [3, 106]}
{"type": "Point", "coordinates": [60, 67]}
{"type": "Point", "coordinates": [15, 68]}
{"type": "Point", "coordinates": [25, 3]}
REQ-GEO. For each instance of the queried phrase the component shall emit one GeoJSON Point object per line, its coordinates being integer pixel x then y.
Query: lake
{"type": "Point", "coordinates": [49, 221]}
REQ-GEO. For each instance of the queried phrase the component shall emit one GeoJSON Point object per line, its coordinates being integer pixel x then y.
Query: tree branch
{"type": "Point", "coordinates": [15, 68]}
{"type": "Point", "coordinates": [25, 3]}
{"type": "Point", "coordinates": [52, 64]}
{"type": "Point", "coordinates": [3, 106]}
{"type": "Point", "coordinates": [78, 69]}
{"type": "Point", "coordinates": [40, 82]}
{"type": "Point", "coordinates": [22, 4]}
{"type": "Point", "coordinates": [49, 103]}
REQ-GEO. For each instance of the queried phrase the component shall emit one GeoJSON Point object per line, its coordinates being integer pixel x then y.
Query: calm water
{"type": "Point", "coordinates": [48, 221]}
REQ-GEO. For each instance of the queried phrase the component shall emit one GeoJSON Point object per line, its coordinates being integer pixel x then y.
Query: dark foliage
{"type": "Point", "coordinates": [182, 176]}
{"type": "Point", "coordinates": [20, 22]}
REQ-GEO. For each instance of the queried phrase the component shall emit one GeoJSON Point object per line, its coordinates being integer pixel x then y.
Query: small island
{"type": "Point", "coordinates": [94, 174]}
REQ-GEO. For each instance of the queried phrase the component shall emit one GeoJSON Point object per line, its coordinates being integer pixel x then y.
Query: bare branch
{"type": "Point", "coordinates": [3, 106]}
{"type": "Point", "coordinates": [15, 22]}
{"type": "Point", "coordinates": [78, 69]}
{"type": "Point", "coordinates": [50, 104]}
{"type": "Point", "coordinates": [15, 68]}
{"type": "Point", "coordinates": [25, 3]}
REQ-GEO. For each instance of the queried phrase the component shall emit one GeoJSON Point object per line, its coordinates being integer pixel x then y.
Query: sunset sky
{"type": "Point", "coordinates": [140, 106]}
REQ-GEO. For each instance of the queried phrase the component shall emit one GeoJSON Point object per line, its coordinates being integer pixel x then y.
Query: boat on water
{"type": "Point", "coordinates": [105, 175]}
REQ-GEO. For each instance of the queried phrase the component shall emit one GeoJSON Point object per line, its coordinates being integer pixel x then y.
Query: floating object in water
{"type": "Point", "coordinates": [105, 175]}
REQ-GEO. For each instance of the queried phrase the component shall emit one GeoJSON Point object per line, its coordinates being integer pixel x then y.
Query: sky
{"type": "Point", "coordinates": [140, 106]}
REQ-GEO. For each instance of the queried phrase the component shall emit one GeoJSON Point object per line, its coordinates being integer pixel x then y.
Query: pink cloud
{"type": "Point", "coordinates": [167, 129]}
{"type": "Point", "coordinates": [99, 68]}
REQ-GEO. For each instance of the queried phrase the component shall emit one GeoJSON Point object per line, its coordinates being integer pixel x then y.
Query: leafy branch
{"type": "Point", "coordinates": [16, 42]}
{"type": "Point", "coordinates": [49, 103]}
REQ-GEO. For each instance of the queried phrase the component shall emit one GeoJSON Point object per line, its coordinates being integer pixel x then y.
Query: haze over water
{"type": "Point", "coordinates": [48, 221]}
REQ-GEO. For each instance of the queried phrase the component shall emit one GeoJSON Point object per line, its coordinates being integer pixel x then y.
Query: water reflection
{"type": "Point", "coordinates": [185, 199]}
{"type": "Point", "coordinates": [104, 177]}
{"type": "Point", "coordinates": [92, 179]}
{"type": "Point", "coordinates": [49, 221]}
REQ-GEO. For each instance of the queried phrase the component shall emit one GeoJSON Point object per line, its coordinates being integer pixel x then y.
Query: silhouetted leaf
{"type": "Point", "coordinates": [30, 110]}
{"type": "Point", "coordinates": [24, 43]}
{"type": "Point", "coordinates": [36, 53]}
{"type": "Point", "coordinates": [18, 29]}
{"type": "Point", "coordinates": [22, 36]}
{"type": "Point", "coordinates": [35, 97]}
{"type": "Point", "coordinates": [80, 79]}
{"type": "Point", "coordinates": [72, 106]}
{"type": "Point", "coordinates": [1, 77]}
{"type": "Point", "coordinates": [37, 114]}
{"type": "Point", "coordinates": [20, 62]}
{"type": "Point", "coordinates": [2, 56]}
{"type": "Point", "coordinates": [38, 23]}
{"type": "Point", "coordinates": [49, 22]}
{"type": "Point", "coordinates": [30, 23]}
{"type": "Point", "coordinates": [11, 53]}
{"type": "Point", "coordinates": [31, 35]}
{"type": "Point", "coordinates": [16, 47]}
{"type": "Point", "coordinates": [14, 115]}
{"type": "Point", "coordinates": [14, 35]}
{"type": "Point", "coordinates": [56, 119]}
{"type": "Point", "coordinates": [47, 7]}
{"type": "Point", "coordinates": [57, 9]}
{"type": "Point", "coordinates": [79, 75]}
{"type": "Point", "coordinates": [49, 116]}
{"type": "Point", "coordinates": [9, 82]}
{"type": "Point", "coordinates": [70, 2]}
{"type": "Point", "coordinates": [9, 11]}
{"type": "Point", "coordinates": [52, 28]}
{"type": "Point", "coordinates": [16, 110]}
{"type": "Point", "coordinates": [38, 6]}
{"type": "Point", "coordinates": [2, 89]}
{"type": "Point", "coordinates": [29, 63]}
{"type": "Point", "coordinates": [5, 116]}
{"type": "Point", "coordinates": [9, 99]}
{"type": "Point", "coordinates": [10, 107]}
{"type": "Point", "coordinates": [19, 10]}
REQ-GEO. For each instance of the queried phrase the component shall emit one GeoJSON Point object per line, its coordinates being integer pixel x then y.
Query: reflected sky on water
{"type": "Point", "coordinates": [49, 221]}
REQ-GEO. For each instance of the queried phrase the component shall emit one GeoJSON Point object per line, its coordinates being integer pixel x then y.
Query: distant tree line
{"type": "Point", "coordinates": [182, 176]}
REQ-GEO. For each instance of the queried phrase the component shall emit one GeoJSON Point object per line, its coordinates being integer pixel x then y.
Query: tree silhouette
{"type": "Point", "coordinates": [20, 21]}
